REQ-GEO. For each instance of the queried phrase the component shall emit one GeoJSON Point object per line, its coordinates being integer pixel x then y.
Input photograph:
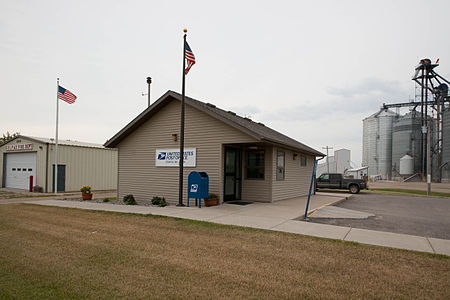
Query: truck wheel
{"type": "Point", "coordinates": [354, 189]}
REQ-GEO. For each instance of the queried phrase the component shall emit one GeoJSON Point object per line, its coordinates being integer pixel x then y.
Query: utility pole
{"type": "Point", "coordinates": [328, 163]}
{"type": "Point", "coordinates": [428, 158]}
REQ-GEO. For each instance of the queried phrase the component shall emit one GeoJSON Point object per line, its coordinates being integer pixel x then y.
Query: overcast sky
{"type": "Point", "coordinates": [309, 69]}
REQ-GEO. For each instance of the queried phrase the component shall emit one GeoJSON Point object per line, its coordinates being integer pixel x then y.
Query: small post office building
{"type": "Point", "coordinates": [244, 160]}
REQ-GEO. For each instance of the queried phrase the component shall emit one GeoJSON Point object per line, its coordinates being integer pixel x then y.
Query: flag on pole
{"type": "Point", "coordinates": [66, 95]}
{"type": "Point", "coordinates": [190, 58]}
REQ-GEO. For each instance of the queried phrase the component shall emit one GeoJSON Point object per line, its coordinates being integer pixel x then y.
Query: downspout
{"type": "Point", "coordinates": [46, 168]}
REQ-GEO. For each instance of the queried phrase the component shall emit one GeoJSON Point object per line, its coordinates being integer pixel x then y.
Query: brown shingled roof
{"type": "Point", "coordinates": [256, 130]}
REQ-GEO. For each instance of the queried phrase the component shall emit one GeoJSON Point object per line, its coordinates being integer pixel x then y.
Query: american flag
{"type": "Point", "coordinates": [190, 58]}
{"type": "Point", "coordinates": [66, 95]}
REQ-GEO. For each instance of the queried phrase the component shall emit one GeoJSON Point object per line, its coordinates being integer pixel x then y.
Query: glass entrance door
{"type": "Point", "coordinates": [233, 174]}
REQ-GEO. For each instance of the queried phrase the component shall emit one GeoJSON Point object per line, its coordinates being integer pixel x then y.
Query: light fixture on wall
{"type": "Point", "coordinates": [174, 137]}
{"type": "Point", "coordinates": [295, 156]}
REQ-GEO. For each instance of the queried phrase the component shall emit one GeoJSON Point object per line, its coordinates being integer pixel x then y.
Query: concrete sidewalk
{"type": "Point", "coordinates": [278, 216]}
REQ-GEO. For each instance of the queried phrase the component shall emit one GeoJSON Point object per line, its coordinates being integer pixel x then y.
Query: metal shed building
{"type": "Point", "coordinates": [78, 164]}
{"type": "Point", "coordinates": [245, 160]}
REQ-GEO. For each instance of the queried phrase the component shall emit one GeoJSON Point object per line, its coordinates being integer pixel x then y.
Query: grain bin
{"type": "Point", "coordinates": [406, 139]}
{"type": "Point", "coordinates": [406, 165]}
{"type": "Point", "coordinates": [377, 142]}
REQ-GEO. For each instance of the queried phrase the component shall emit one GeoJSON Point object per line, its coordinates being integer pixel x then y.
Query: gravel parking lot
{"type": "Point", "coordinates": [421, 216]}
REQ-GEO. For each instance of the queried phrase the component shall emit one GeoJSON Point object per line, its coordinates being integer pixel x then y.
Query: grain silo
{"type": "Point", "coordinates": [406, 165]}
{"type": "Point", "coordinates": [377, 143]}
{"type": "Point", "coordinates": [406, 140]}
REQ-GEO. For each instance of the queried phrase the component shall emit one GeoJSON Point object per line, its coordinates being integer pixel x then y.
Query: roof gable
{"type": "Point", "coordinates": [256, 130]}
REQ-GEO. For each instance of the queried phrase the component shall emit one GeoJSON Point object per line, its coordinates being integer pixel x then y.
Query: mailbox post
{"type": "Point", "coordinates": [198, 187]}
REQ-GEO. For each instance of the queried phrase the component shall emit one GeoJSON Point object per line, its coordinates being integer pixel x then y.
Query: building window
{"type": "Point", "coordinates": [303, 160]}
{"type": "Point", "coordinates": [255, 164]}
{"type": "Point", "coordinates": [280, 165]}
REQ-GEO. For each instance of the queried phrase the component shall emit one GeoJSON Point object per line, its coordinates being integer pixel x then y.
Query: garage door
{"type": "Point", "coordinates": [19, 168]}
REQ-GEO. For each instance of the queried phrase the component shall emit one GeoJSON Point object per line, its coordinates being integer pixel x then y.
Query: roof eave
{"type": "Point", "coordinates": [24, 137]}
{"type": "Point", "coordinates": [297, 149]}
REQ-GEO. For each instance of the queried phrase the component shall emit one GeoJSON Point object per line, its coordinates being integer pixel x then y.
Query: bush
{"type": "Point", "coordinates": [212, 196]}
{"type": "Point", "coordinates": [38, 189]}
{"type": "Point", "coordinates": [159, 201]}
{"type": "Point", "coordinates": [129, 200]}
{"type": "Point", "coordinates": [109, 199]}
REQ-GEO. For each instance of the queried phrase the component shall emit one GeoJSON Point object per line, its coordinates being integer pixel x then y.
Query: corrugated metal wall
{"type": "Point", "coordinates": [96, 167]}
{"type": "Point", "coordinates": [406, 139]}
{"type": "Point", "coordinates": [377, 142]}
{"type": "Point", "coordinates": [84, 165]}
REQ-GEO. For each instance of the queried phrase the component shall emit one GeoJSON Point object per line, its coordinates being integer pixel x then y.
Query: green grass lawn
{"type": "Point", "coordinates": [59, 253]}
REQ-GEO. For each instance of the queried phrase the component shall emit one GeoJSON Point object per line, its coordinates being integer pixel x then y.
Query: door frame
{"type": "Point", "coordinates": [61, 175]}
{"type": "Point", "coordinates": [7, 157]}
{"type": "Point", "coordinates": [237, 195]}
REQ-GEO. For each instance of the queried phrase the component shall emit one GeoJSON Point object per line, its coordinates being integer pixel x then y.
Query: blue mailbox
{"type": "Point", "coordinates": [198, 187]}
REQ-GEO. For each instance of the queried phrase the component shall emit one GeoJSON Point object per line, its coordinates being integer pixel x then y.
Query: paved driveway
{"type": "Point", "coordinates": [422, 216]}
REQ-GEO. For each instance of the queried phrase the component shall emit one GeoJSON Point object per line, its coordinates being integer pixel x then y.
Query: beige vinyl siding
{"type": "Point", "coordinates": [258, 190]}
{"type": "Point", "coordinates": [297, 178]}
{"type": "Point", "coordinates": [96, 167]}
{"type": "Point", "coordinates": [138, 174]}
{"type": "Point", "coordinates": [40, 158]}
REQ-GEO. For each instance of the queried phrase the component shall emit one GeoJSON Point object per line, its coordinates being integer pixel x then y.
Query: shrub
{"type": "Point", "coordinates": [159, 201]}
{"type": "Point", "coordinates": [129, 200]}
{"type": "Point", "coordinates": [156, 200]}
{"type": "Point", "coordinates": [38, 189]}
{"type": "Point", "coordinates": [212, 196]}
{"type": "Point", "coordinates": [109, 199]}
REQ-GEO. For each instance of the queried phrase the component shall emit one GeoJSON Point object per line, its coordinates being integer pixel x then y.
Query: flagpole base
{"type": "Point", "coordinates": [180, 205]}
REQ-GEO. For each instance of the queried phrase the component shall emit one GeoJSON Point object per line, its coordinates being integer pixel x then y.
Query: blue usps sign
{"type": "Point", "coordinates": [194, 188]}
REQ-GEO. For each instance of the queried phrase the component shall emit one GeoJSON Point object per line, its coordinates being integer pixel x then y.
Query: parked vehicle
{"type": "Point", "coordinates": [337, 181]}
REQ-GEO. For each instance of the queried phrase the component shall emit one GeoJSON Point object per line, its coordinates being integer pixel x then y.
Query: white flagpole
{"type": "Point", "coordinates": [56, 138]}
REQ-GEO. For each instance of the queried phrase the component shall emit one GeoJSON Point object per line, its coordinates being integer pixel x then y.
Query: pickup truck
{"type": "Point", "coordinates": [337, 181]}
